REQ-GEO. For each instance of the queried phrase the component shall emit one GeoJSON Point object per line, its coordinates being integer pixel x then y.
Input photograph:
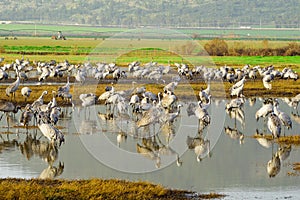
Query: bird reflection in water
{"type": "Point", "coordinates": [235, 134]}
{"type": "Point", "coordinates": [284, 151]}
{"type": "Point", "coordinates": [153, 148]}
{"type": "Point", "coordinates": [33, 146]}
{"type": "Point", "coordinates": [295, 117]}
{"type": "Point", "coordinates": [150, 149]}
{"type": "Point", "coordinates": [200, 146]}
{"type": "Point", "coordinates": [7, 144]}
{"type": "Point", "coordinates": [262, 140]}
{"type": "Point", "coordinates": [88, 127]}
{"type": "Point", "coordinates": [8, 108]}
{"type": "Point", "coordinates": [274, 165]}
{"type": "Point", "coordinates": [46, 150]}
{"type": "Point", "coordinates": [121, 137]}
{"type": "Point", "coordinates": [235, 111]}
{"type": "Point", "coordinates": [52, 171]}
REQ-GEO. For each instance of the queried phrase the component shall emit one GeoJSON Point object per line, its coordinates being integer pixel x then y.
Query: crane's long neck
{"type": "Point", "coordinates": [41, 98]}
{"type": "Point", "coordinates": [276, 110]}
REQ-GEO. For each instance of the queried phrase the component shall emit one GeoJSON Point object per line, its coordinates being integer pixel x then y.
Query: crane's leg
{"type": "Point", "coordinates": [7, 119]}
{"type": "Point", "coordinates": [1, 116]}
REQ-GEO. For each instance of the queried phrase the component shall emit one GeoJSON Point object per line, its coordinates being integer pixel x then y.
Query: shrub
{"type": "Point", "coordinates": [2, 49]}
{"type": "Point", "coordinates": [216, 47]}
{"type": "Point", "coordinates": [293, 49]}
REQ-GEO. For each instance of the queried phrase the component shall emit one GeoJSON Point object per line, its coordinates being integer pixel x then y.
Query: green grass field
{"type": "Point", "coordinates": [96, 31]}
{"type": "Point", "coordinates": [124, 51]}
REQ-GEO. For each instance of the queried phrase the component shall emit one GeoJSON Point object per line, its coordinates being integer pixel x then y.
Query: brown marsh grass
{"type": "Point", "coordinates": [91, 189]}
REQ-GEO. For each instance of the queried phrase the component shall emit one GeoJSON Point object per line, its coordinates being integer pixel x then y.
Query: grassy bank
{"type": "Point", "coordinates": [90, 189]}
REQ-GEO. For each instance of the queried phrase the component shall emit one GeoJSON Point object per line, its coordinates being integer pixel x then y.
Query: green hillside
{"type": "Point", "coordinates": [165, 13]}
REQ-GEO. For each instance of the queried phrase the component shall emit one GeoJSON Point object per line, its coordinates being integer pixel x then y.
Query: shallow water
{"type": "Point", "coordinates": [91, 150]}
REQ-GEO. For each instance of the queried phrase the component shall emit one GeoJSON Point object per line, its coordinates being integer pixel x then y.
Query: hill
{"type": "Point", "coordinates": [164, 13]}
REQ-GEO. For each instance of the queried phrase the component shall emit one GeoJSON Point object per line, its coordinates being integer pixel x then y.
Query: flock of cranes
{"type": "Point", "coordinates": [144, 108]}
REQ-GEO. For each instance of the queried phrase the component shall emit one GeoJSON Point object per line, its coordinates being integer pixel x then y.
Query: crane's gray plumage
{"type": "Point", "coordinates": [88, 99]}
{"type": "Point", "coordinates": [12, 88]}
{"type": "Point", "coordinates": [65, 88]}
{"type": "Point", "coordinates": [267, 81]}
{"type": "Point", "coordinates": [7, 107]}
{"type": "Point", "coordinates": [167, 100]}
{"type": "Point", "coordinates": [26, 116]}
{"type": "Point", "coordinates": [150, 117]}
{"type": "Point", "coordinates": [274, 125]}
{"type": "Point", "coordinates": [26, 91]}
{"type": "Point", "coordinates": [204, 94]}
{"type": "Point", "coordinates": [203, 116]}
{"type": "Point", "coordinates": [266, 109]}
{"type": "Point", "coordinates": [51, 133]}
{"type": "Point", "coordinates": [237, 88]}
{"type": "Point", "coordinates": [284, 118]}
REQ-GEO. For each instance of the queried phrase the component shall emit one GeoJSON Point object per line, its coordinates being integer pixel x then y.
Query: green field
{"type": "Point", "coordinates": [124, 51]}
{"type": "Point", "coordinates": [115, 45]}
{"type": "Point", "coordinates": [104, 32]}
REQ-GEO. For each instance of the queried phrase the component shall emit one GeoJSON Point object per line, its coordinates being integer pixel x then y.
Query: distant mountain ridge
{"type": "Point", "coordinates": [164, 13]}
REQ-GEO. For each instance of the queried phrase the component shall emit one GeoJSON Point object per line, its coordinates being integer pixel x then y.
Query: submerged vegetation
{"type": "Point", "coordinates": [91, 189]}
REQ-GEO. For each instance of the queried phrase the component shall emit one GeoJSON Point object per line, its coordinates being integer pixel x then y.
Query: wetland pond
{"type": "Point", "coordinates": [97, 146]}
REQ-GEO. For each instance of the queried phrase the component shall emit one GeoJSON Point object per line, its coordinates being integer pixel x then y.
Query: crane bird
{"type": "Point", "coordinates": [80, 76]}
{"type": "Point", "coordinates": [284, 118]}
{"type": "Point", "coordinates": [88, 100]}
{"type": "Point", "coordinates": [26, 91]}
{"type": "Point", "coordinates": [12, 88]}
{"type": "Point", "coordinates": [26, 116]}
{"type": "Point", "coordinates": [266, 109]}
{"type": "Point", "coordinates": [170, 117]}
{"type": "Point", "coordinates": [8, 107]}
{"type": "Point", "coordinates": [237, 88]}
{"type": "Point", "coordinates": [204, 94]}
{"type": "Point", "coordinates": [134, 102]}
{"type": "Point", "coordinates": [109, 90]}
{"type": "Point", "coordinates": [294, 102]}
{"type": "Point", "coordinates": [170, 87]}
{"type": "Point", "coordinates": [273, 165]}
{"type": "Point", "coordinates": [150, 117]}
{"type": "Point", "coordinates": [267, 81]}
{"type": "Point", "coordinates": [54, 115]}
{"type": "Point", "coordinates": [203, 116]}
{"type": "Point", "coordinates": [235, 103]}
{"type": "Point", "coordinates": [45, 74]}
{"type": "Point", "coordinates": [53, 134]}
{"type": "Point", "coordinates": [3, 74]}
{"type": "Point", "coordinates": [40, 101]}
{"type": "Point", "coordinates": [168, 99]}
{"type": "Point", "coordinates": [274, 125]}
{"type": "Point", "coordinates": [65, 88]}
